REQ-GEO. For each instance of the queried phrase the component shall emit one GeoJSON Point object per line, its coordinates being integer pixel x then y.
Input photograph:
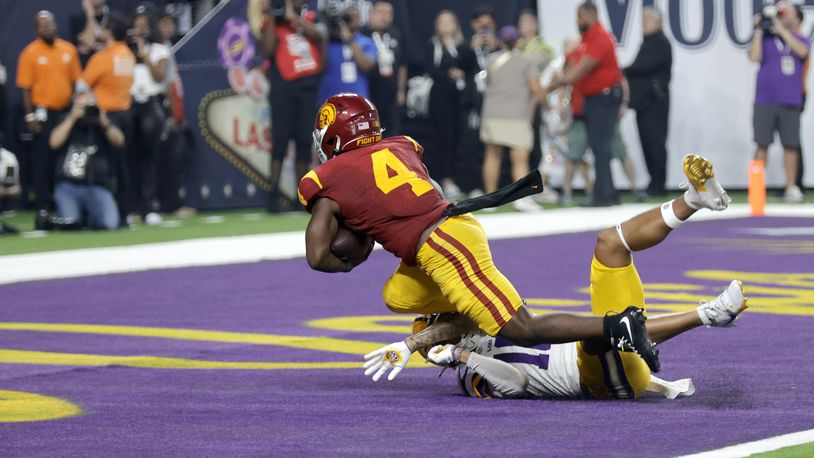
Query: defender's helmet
{"type": "Point", "coordinates": [344, 122]}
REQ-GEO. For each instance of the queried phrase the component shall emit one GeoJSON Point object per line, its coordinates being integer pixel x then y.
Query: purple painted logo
{"type": "Point", "coordinates": [235, 43]}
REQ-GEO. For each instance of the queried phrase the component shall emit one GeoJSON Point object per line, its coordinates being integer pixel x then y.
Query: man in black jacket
{"type": "Point", "coordinates": [649, 79]}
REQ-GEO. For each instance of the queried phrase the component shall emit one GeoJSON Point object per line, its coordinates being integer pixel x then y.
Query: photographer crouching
{"type": "Point", "coordinates": [88, 145]}
{"type": "Point", "coordinates": [781, 50]}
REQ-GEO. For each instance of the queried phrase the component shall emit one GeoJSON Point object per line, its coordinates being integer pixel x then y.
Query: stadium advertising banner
{"type": "Point", "coordinates": [713, 81]}
{"type": "Point", "coordinates": [226, 97]}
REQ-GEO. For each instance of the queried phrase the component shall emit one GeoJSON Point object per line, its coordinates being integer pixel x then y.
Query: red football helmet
{"type": "Point", "coordinates": [344, 122]}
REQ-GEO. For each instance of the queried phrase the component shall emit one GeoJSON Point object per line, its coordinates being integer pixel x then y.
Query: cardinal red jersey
{"type": "Point", "coordinates": [383, 190]}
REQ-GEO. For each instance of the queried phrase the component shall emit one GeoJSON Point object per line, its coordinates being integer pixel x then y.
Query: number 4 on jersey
{"type": "Point", "coordinates": [385, 164]}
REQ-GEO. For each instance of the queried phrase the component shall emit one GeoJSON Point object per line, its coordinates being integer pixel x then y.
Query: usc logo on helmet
{"type": "Point", "coordinates": [327, 115]}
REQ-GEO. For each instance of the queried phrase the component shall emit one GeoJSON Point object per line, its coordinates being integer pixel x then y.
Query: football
{"type": "Point", "coordinates": [349, 245]}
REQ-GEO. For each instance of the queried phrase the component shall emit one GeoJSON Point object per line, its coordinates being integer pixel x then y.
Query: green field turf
{"type": "Point", "coordinates": [798, 451]}
{"type": "Point", "coordinates": [206, 224]}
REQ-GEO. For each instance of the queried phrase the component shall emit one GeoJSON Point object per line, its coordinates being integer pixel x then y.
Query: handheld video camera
{"type": "Point", "coordinates": [767, 15]}
{"type": "Point", "coordinates": [335, 14]}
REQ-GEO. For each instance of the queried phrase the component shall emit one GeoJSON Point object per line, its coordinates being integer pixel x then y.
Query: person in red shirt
{"type": "Point", "coordinates": [381, 188]}
{"type": "Point", "coordinates": [598, 78]}
{"type": "Point", "coordinates": [293, 41]}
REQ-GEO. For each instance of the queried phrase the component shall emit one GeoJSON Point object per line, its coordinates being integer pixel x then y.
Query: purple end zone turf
{"type": "Point", "coordinates": [752, 381]}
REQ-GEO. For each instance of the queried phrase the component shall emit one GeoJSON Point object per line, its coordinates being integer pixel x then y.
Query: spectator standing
{"type": "Point", "coordinates": [148, 116]}
{"type": "Point", "coordinates": [649, 79]}
{"type": "Point", "coordinates": [511, 95]}
{"type": "Point", "coordinates": [86, 28]}
{"type": "Point", "coordinates": [447, 60]}
{"type": "Point", "coordinates": [109, 75]}
{"type": "Point", "coordinates": [293, 42]}
{"type": "Point", "coordinates": [87, 142]}
{"type": "Point", "coordinates": [350, 57]}
{"type": "Point", "coordinates": [598, 77]}
{"type": "Point", "coordinates": [46, 73]}
{"type": "Point", "coordinates": [541, 53]}
{"type": "Point", "coordinates": [175, 148]}
{"type": "Point", "coordinates": [781, 52]}
{"type": "Point", "coordinates": [388, 82]}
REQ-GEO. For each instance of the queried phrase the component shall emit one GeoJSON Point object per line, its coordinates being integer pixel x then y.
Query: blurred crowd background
{"type": "Point", "coordinates": [97, 131]}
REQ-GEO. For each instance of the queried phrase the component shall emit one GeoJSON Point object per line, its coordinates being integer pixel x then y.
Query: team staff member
{"type": "Point", "coordinates": [649, 78]}
{"type": "Point", "coordinates": [46, 72]}
{"type": "Point", "coordinates": [109, 75]}
{"type": "Point", "coordinates": [598, 77]}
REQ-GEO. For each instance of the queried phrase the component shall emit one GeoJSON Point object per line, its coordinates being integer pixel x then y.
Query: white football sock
{"type": "Point", "coordinates": [669, 215]}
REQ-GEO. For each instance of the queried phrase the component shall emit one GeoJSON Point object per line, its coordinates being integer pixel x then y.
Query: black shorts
{"type": "Point", "coordinates": [293, 110]}
{"type": "Point", "coordinates": [769, 119]}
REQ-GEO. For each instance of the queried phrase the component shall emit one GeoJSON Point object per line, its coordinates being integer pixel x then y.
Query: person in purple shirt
{"type": "Point", "coordinates": [350, 56]}
{"type": "Point", "coordinates": [781, 52]}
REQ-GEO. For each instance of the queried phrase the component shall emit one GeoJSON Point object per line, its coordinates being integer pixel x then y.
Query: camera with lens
{"type": "Point", "coordinates": [767, 15]}
{"type": "Point", "coordinates": [133, 44]}
{"type": "Point", "coordinates": [276, 8]}
{"type": "Point", "coordinates": [335, 14]}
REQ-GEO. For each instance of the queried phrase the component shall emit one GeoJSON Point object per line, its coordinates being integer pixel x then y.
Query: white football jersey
{"type": "Point", "coordinates": [551, 369]}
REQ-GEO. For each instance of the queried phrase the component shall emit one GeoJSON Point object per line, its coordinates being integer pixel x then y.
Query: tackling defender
{"type": "Point", "coordinates": [490, 367]}
{"type": "Point", "coordinates": [501, 368]}
{"type": "Point", "coordinates": [381, 188]}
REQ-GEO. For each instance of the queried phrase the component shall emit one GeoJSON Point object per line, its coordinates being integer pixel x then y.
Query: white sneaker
{"type": "Point", "coordinates": [704, 190]}
{"type": "Point", "coordinates": [724, 309]}
{"type": "Point", "coordinates": [548, 196]}
{"type": "Point", "coordinates": [526, 204]}
{"type": "Point", "coordinates": [475, 193]}
{"type": "Point", "coordinates": [793, 195]}
{"type": "Point", "coordinates": [153, 219]}
{"type": "Point", "coordinates": [451, 190]}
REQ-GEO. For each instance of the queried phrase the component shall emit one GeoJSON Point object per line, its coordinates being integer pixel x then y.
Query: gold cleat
{"type": "Point", "coordinates": [698, 170]}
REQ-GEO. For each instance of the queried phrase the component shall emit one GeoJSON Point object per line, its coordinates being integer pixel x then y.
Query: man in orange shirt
{"type": "Point", "coordinates": [109, 74]}
{"type": "Point", "coordinates": [46, 72]}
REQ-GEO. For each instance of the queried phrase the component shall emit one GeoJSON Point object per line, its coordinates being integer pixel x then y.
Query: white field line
{"type": "Point", "coordinates": [288, 245]}
{"type": "Point", "coordinates": [760, 446]}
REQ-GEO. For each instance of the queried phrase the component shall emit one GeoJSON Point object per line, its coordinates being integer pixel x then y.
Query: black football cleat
{"type": "Point", "coordinates": [628, 333]}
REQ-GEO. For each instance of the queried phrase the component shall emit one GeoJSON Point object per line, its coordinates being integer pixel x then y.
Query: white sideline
{"type": "Point", "coordinates": [759, 446]}
{"type": "Point", "coordinates": [288, 245]}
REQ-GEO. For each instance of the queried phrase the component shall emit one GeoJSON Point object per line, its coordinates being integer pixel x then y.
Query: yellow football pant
{"type": "Point", "coordinates": [455, 273]}
{"type": "Point", "coordinates": [613, 374]}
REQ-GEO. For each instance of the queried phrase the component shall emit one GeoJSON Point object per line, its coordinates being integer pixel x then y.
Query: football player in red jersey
{"type": "Point", "coordinates": [382, 188]}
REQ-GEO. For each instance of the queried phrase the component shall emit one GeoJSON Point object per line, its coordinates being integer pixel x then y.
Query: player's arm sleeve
{"type": "Point", "coordinates": [309, 189]}
{"type": "Point", "coordinates": [504, 379]}
{"type": "Point", "coordinates": [416, 146]}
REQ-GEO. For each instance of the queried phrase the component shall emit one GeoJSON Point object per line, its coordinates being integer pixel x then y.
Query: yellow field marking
{"type": "Point", "coordinates": [20, 406]}
{"type": "Point", "coordinates": [8, 356]}
{"type": "Point", "coordinates": [557, 302]}
{"type": "Point", "coordinates": [351, 347]}
{"type": "Point", "coordinates": [366, 323]}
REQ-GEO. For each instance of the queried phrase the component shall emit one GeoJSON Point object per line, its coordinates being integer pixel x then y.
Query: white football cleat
{"type": "Point", "coordinates": [704, 190]}
{"type": "Point", "coordinates": [724, 309]}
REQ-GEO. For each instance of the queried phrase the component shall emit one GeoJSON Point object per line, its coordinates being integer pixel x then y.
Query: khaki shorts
{"type": "Point", "coordinates": [513, 133]}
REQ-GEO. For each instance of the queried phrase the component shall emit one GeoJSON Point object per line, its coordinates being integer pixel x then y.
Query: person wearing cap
{"type": "Point", "coordinates": [47, 70]}
{"type": "Point", "coordinates": [598, 77]}
{"type": "Point", "coordinates": [512, 92]}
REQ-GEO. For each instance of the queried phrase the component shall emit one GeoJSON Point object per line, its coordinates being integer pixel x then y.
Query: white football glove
{"type": "Point", "coordinates": [442, 355]}
{"type": "Point", "coordinates": [393, 356]}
